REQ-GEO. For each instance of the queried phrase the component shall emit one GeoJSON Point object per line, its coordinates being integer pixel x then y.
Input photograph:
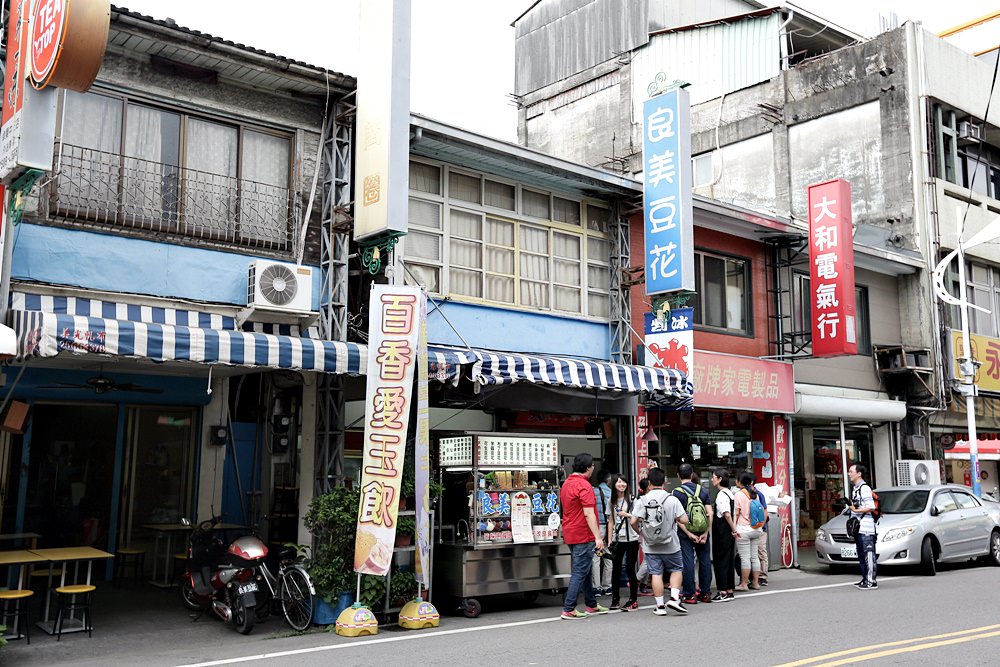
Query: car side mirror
{"type": "Point", "coordinates": [935, 511]}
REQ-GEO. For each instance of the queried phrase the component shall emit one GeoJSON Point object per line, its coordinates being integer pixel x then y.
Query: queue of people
{"type": "Point", "coordinates": [684, 538]}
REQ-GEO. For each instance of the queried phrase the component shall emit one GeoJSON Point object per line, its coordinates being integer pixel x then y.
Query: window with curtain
{"type": "Point", "coordinates": [151, 167]}
{"type": "Point", "coordinates": [92, 138]}
{"type": "Point", "coordinates": [465, 188]}
{"type": "Point", "coordinates": [210, 174]}
{"type": "Point", "coordinates": [723, 293]}
{"type": "Point", "coordinates": [166, 170]}
{"type": "Point", "coordinates": [489, 250]}
{"type": "Point", "coordinates": [465, 266]}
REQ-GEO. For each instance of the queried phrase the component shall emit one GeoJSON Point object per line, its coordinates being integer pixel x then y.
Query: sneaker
{"type": "Point", "coordinates": [660, 610]}
{"type": "Point", "coordinates": [677, 606]}
{"type": "Point", "coordinates": [573, 615]}
{"type": "Point", "coordinates": [726, 597]}
{"type": "Point", "coordinates": [631, 605]}
{"type": "Point", "coordinates": [705, 598]}
{"type": "Point", "coordinates": [718, 596]}
{"type": "Point", "coordinates": [599, 609]}
{"type": "Point", "coordinates": [858, 584]}
{"type": "Point", "coordinates": [763, 582]}
{"type": "Point", "coordinates": [645, 590]}
{"type": "Point", "coordinates": [691, 599]}
{"type": "Point", "coordinates": [614, 605]}
{"type": "Point", "coordinates": [868, 587]}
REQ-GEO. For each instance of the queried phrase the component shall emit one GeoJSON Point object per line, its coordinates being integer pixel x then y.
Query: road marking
{"type": "Point", "coordinates": [947, 638]}
{"type": "Point", "coordinates": [477, 628]}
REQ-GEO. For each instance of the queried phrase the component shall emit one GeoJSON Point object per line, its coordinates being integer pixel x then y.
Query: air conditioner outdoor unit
{"type": "Point", "coordinates": [917, 473]}
{"type": "Point", "coordinates": [277, 286]}
{"type": "Point", "coordinates": [970, 132]}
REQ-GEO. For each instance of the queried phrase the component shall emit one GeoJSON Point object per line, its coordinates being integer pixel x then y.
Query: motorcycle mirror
{"type": "Point", "coordinates": [185, 521]}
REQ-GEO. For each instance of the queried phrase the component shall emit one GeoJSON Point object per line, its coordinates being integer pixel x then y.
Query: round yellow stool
{"type": "Point", "coordinates": [19, 598]}
{"type": "Point", "coordinates": [68, 602]}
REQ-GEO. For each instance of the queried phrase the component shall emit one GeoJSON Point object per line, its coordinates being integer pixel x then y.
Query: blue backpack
{"type": "Point", "coordinates": [758, 513]}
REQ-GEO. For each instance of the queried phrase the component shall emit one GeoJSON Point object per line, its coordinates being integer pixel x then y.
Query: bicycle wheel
{"type": "Point", "coordinates": [296, 598]}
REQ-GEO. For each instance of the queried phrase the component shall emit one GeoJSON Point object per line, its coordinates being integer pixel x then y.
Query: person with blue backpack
{"type": "Point", "coordinates": [750, 517]}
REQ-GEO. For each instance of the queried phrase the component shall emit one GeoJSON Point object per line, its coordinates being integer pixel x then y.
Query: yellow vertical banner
{"type": "Point", "coordinates": [393, 329]}
{"type": "Point", "coordinates": [422, 456]}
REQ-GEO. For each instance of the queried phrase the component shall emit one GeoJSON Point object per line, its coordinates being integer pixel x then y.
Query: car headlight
{"type": "Point", "coordinates": [898, 533]}
{"type": "Point", "coordinates": [821, 535]}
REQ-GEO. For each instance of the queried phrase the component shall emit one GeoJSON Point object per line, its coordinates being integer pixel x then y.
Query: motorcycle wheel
{"type": "Point", "coordinates": [188, 597]}
{"type": "Point", "coordinates": [296, 600]}
{"type": "Point", "coordinates": [243, 618]}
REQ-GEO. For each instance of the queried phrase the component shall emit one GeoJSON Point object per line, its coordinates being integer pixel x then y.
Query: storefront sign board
{"type": "Point", "coordinates": [382, 139]}
{"type": "Point", "coordinates": [770, 466]}
{"type": "Point", "coordinates": [831, 269]}
{"type": "Point", "coordinates": [393, 334]}
{"type": "Point", "coordinates": [641, 446]}
{"type": "Point", "coordinates": [28, 119]}
{"type": "Point", "coordinates": [668, 212]}
{"type": "Point", "coordinates": [986, 351]}
{"type": "Point", "coordinates": [669, 341]}
{"type": "Point", "coordinates": [732, 382]}
{"type": "Point", "coordinates": [67, 42]}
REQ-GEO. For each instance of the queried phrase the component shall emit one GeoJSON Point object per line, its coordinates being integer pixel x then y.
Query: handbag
{"type": "Point", "coordinates": [612, 547]}
{"type": "Point", "coordinates": [853, 526]}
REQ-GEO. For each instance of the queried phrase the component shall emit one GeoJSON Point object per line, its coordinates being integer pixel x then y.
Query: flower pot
{"type": "Point", "coordinates": [404, 539]}
{"type": "Point", "coordinates": [326, 614]}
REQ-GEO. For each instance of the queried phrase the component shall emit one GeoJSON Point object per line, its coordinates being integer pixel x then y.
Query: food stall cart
{"type": "Point", "coordinates": [499, 521]}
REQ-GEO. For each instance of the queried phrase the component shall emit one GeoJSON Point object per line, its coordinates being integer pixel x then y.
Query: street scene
{"type": "Point", "coordinates": [538, 332]}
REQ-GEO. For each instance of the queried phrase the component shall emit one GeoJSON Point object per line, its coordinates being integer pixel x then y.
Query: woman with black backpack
{"type": "Point", "coordinates": [623, 541]}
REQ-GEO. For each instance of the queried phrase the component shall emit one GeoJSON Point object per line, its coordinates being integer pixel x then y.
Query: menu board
{"type": "Point", "coordinates": [455, 451]}
{"type": "Point", "coordinates": [518, 451]}
{"type": "Point", "coordinates": [520, 517]}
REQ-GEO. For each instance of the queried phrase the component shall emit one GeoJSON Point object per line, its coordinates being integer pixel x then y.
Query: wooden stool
{"type": "Point", "coordinates": [128, 557]}
{"type": "Point", "coordinates": [69, 603]}
{"type": "Point", "coordinates": [19, 598]}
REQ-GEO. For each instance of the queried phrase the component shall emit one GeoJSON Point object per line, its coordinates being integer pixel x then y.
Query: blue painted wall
{"type": "Point", "coordinates": [114, 263]}
{"type": "Point", "coordinates": [234, 505]}
{"type": "Point", "coordinates": [517, 331]}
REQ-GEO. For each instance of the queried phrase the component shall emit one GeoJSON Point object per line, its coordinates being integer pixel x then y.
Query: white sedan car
{"type": "Point", "coordinates": [921, 525]}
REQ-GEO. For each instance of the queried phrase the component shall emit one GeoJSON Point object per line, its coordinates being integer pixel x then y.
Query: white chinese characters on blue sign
{"type": "Point", "coordinates": [667, 210]}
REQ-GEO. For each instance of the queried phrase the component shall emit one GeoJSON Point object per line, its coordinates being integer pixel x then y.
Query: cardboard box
{"type": "Point", "coordinates": [16, 417]}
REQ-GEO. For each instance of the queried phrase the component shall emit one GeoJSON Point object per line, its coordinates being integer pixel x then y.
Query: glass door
{"type": "Point", "coordinates": [159, 469]}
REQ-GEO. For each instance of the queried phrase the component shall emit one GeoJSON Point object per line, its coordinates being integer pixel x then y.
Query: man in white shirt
{"type": "Point", "coordinates": [862, 506]}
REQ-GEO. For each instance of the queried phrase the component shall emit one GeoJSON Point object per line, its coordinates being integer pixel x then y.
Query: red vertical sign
{"type": "Point", "coordinates": [831, 272]}
{"type": "Point", "coordinates": [17, 43]}
{"type": "Point", "coordinates": [641, 445]}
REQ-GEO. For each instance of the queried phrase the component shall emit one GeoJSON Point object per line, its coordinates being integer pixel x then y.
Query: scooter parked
{"type": "Point", "coordinates": [225, 579]}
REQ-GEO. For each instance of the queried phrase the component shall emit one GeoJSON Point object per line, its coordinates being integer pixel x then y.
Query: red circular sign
{"type": "Point", "coordinates": [48, 24]}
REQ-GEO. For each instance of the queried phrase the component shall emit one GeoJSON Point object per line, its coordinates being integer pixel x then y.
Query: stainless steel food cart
{"type": "Point", "coordinates": [501, 532]}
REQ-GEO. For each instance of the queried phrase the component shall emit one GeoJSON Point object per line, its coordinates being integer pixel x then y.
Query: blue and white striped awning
{"type": "Point", "coordinates": [664, 387]}
{"type": "Point", "coordinates": [42, 334]}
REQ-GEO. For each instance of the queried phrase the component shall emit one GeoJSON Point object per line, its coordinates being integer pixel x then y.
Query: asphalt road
{"type": "Point", "coordinates": [802, 619]}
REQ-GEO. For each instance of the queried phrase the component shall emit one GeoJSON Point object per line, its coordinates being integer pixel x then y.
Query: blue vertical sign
{"type": "Point", "coordinates": [667, 211]}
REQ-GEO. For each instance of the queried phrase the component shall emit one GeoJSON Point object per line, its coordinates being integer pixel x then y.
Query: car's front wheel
{"type": "Point", "coordinates": [928, 562]}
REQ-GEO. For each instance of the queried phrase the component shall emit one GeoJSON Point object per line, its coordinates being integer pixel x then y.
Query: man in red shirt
{"type": "Point", "coordinates": [581, 533]}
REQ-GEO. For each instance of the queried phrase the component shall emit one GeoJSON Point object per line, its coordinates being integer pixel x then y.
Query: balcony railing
{"type": "Point", "coordinates": [110, 189]}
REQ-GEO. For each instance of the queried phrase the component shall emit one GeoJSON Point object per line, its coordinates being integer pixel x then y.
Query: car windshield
{"type": "Point", "coordinates": [903, 501]}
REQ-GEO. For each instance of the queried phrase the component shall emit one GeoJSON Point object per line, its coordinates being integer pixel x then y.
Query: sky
{"type": "Point", "coordinates": [462, 62]}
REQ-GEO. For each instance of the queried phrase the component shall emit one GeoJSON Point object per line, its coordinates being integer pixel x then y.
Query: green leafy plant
{"type": "Point", "coordinates": [373, 591]}
{"type": "Point", "coordinates": [3, 631]}
{"type": "Point", "coordinates": [332, 521]}
{"type": "Point", "coordinates": [403, 587]}
{"type": "Point", "coordinates": [406, 525]}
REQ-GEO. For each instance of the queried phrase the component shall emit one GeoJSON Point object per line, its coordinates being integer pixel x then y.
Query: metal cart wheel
{"type": "Point", "coordinates": [531, 596]}
{"type": "Point", "coordinates": [471, 608]}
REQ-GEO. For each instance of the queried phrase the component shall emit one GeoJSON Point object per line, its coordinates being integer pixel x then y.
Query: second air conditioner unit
{"type": "Point", "coordinates": [278, 286]}
{"type": "Point", "coordinates": [918, 473]}
{"type": "Point", "coordinates": [970, 132]}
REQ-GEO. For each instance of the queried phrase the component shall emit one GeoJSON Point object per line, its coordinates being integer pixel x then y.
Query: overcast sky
{"type": "Point", "coordinates": [462, 65]}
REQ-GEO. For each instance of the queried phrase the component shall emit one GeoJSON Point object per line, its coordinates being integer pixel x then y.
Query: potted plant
{"type": "Point", "coordinates": [332, 521]}
{"type": "Point", "coordinates": [403, 587]}
{"type": "Point", "coordinates": [406, 528]}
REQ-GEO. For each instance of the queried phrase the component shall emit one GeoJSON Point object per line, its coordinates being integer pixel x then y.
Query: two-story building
{"type": "Point", "coordinates": [165, 285]}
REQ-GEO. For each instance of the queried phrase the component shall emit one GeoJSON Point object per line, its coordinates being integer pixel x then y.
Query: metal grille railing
{"type": "Point", "coordinates": [107, 188]}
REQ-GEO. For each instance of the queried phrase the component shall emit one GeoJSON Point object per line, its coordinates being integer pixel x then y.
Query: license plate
{"type": "Point", "coordinates": [247, 588]}
{"type": "Point", "coordinates": [848, 552]}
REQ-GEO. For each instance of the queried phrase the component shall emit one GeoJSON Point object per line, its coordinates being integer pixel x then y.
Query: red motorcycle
{"type": "Point", "coordinates": [237, 585]}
